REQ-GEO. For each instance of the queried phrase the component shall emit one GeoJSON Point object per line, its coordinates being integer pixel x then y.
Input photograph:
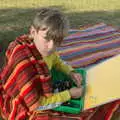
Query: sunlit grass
{"type": "Point", "coordinates": [70, 5]}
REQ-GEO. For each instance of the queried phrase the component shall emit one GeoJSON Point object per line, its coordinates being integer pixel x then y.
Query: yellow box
{"type": "Point", "coordinates": [103, 83]}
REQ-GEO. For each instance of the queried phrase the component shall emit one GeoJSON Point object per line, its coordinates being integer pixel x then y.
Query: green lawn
{"type": "Point", "coordinates": [16, 15]}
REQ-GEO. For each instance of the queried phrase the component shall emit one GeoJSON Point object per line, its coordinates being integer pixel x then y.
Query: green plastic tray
{"type": "Point", "coordinates": [73, 106]}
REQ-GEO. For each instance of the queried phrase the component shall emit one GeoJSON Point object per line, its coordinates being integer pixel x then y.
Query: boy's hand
{"type": "Point", "coordinates": [76, 92]}
{"type": "Point", "coordinates": [77, 78]}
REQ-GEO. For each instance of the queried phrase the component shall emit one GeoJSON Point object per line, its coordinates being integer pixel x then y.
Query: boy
{"type": "Point", "coordinates": [26, 81]}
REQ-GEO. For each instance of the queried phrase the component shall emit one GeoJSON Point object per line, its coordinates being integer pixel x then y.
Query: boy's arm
{"type": "Point", "coordinates": [56, 98]}
{"type": "Point", "coordinates": [61, 65]}
{"type": "Point", "coordinates": [53, 101]}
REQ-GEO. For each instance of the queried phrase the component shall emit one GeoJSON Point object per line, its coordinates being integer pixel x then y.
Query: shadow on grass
{"type": "Point", "coordinates": [16, 21]}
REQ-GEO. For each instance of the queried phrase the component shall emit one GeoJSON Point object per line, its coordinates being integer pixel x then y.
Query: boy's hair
{"type": "Point", "coordinates": [54, 21]}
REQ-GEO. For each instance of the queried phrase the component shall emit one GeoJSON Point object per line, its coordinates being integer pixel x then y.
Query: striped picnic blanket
{"type": "Point", "coordinates": [89, 45]}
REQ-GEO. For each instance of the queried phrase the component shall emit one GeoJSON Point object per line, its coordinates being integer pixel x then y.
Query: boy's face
{"type": "Point", "coordinates": [44, 46]}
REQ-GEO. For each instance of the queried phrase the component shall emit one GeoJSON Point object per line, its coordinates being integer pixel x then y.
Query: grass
{"type": "Point", "coordinates": [16, 15]}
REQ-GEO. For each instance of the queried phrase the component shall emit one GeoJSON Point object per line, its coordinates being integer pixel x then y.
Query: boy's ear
{"type": "Point", "coordinates": [32, 31]}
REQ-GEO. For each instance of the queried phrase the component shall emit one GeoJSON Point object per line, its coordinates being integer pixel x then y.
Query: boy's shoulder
{"type": "Point", "coordinates": [24, 39]}
{"type": "Point", "coordinates": [20, 40]}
